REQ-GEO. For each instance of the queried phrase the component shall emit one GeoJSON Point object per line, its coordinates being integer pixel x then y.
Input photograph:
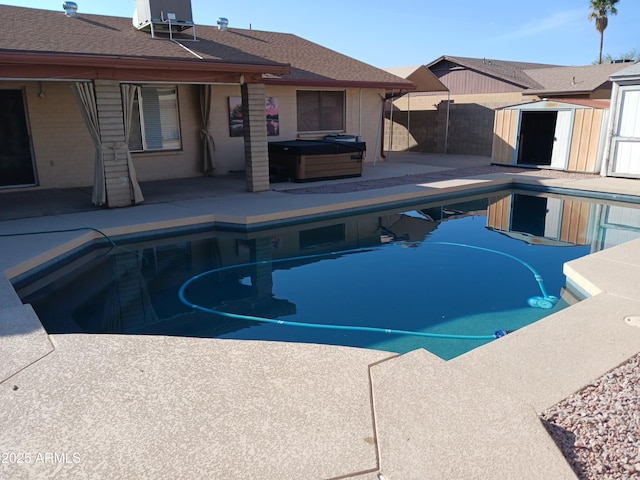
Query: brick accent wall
{"type": "Point", "coordinates": [116, 170]}
{"type": "Point", "coordinates": [255, 137]}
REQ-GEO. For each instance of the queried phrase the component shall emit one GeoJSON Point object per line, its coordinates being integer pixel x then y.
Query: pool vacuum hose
{"type": "Point", "coordinates": [545, 301]}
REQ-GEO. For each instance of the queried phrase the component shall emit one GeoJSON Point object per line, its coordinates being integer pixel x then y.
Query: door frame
{"type": "Point", "coordinates": [615, 140]}
{"type": "Point", "coordinates": [559, 161]}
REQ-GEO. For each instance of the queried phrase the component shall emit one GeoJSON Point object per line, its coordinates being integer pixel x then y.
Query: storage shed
{"type": "Point", "coordinates": [563, 134]}
{"type": "Point", "coordinates": [623, 150]}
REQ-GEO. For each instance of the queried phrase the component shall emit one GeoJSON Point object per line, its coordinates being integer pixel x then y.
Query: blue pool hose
{"type": "Point", "coordinates": [545, 301]}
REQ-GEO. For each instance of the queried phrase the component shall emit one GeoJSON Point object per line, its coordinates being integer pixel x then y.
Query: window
{"type": "Point", "coordinates": [155, 124]}
{"type": "Point", "coordinates": [320, 111]}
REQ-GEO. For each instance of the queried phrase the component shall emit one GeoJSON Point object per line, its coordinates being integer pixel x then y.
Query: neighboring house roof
{"type": "Point", "coordinates": [627, 73]}
{"type": "Point", "coordinates": [48, 36]}
{"type": "Point", "coordinates": [508, 71]}
{"type": "Point", "coordinates": [572, 80]}
{"type": "Point", "coordinates": [421, 76]}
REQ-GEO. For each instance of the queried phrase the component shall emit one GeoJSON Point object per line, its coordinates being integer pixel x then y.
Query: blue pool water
{"type": "Point", "coordinates": [454, 269]}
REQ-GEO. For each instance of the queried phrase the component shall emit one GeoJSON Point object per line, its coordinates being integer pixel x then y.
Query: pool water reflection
{"type": "Point", "coordinates": [393, 269]}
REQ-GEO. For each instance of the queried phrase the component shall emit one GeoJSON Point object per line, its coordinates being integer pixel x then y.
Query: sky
{"type": "Point", "coordinates": [416, 32]}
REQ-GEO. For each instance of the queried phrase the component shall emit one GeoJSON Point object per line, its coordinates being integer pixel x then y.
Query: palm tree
{"type": "Point", "coordinates": [599, 11]}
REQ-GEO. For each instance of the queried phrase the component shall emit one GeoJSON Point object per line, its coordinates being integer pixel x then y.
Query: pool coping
{"type": "Point", "coordinates": [525, 399]}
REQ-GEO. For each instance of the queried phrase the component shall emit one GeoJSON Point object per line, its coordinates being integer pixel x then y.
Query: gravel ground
{"type": "Point", "coordinates": [598, 428]}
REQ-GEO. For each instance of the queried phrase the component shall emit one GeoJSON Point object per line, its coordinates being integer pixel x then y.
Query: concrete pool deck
{"type": "Point", "coordinates": [109, 406]}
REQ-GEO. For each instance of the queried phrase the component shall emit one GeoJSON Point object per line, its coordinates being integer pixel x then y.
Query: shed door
{"type": "Point", "coordinates": [625, 144]}
{"type": "Point", "coordinates": [561, 139]}
{"type": "Point", "coordinates": [16, 163]}
{"type": "Point", "coordinates": [544, 137]}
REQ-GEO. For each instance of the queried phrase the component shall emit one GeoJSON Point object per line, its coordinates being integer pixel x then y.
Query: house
{"type": "Point", "coordinates": [474, 76]}
{"type": "Point", "coordinates": [108, 102]}
{"type": "Point", "coordinates": [623, 132]}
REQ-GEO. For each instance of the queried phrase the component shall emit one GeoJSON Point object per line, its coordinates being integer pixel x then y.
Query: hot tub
{"type": "Point", "coordinates": [308, 160]}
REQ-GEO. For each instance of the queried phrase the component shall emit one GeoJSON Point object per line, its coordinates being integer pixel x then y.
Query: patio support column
{"type": "Point", "coordinates": [262, 275]}
{"type": "Point", "coordinates": [256, 154]}
{"type": "Point", "coordinates": [111, 119]}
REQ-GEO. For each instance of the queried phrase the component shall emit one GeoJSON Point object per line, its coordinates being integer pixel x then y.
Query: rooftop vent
{"type": "Point", "coordinates": [223, 23]}
{"type": "Point", "coordinates": [70, 9]}
{"type": "Point", "coordinates": [164, 16]}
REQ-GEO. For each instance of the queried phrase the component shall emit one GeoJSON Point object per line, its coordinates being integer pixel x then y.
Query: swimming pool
{"type": "Point", "coordinates": [446, 269]}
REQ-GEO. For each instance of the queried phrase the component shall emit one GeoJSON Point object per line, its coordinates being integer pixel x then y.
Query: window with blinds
{"type": "Point", "coordinates": [155, 123]}
{"type": "Point", "coordinates": [320, 111]}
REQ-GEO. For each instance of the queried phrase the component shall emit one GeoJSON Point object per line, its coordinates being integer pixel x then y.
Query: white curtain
{"type": "Point", "coordinates": [208, 145]}
{"type": "Point", "coordinates": [128, 97]}
{"type": "Point", "coordinates": [86, 98]}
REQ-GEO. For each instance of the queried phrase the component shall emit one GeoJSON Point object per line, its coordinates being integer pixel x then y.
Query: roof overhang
{"type": "Point", "coordinates": [73, 66]}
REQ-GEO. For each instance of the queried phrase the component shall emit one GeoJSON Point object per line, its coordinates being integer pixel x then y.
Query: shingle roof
{"type": "Point", "coordinates": [506, 70]}
{"type": "Point", "coordinates": [572, 80]}
{"type": "Point", "coordinates": [44, 31]}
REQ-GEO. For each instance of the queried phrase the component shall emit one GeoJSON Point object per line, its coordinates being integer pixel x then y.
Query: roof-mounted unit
{"type": "Point", "coordinates": [70, 9]}
{"type": "Point", "coordinates": [164, 16]}
{"type": "Point", "coordinates": [223, 23]}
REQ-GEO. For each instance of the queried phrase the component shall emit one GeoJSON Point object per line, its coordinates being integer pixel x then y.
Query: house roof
{"type": "Point", "coordinates": [42, 37]}
{"type": "Point", "coordinates": [513, 72]}
{"type": "Point", "coordinates": [572, 80]}
{"type": "Point", "coordinates": [421, 76]}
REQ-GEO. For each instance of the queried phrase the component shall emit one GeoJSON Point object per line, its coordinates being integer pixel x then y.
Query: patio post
{"type": "Point", "coordinates": [256, 154]}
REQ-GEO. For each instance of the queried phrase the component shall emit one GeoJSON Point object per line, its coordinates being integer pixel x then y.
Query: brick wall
{"type": "Point", "coordinates": [421, 125]}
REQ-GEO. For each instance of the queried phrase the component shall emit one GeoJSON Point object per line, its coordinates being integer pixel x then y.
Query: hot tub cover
{"type": "Point", "coordinates": [316, 147]}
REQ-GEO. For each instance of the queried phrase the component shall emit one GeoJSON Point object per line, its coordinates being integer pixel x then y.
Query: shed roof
{"type": "Point", "coordinates": [560, 102]}
{"type": "Point", "coordinates": [288, 58]}
{"type": "Point", "coordinates": [421, 76]}
{"type": "Point", "coordinates": [629, 72]}
{"type": "Point", "coordinates": [572, 80]}
{"type": "Point", "coordinates": [513, 72]}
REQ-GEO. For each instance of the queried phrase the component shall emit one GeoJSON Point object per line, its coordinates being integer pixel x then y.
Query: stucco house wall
{"type": "Point", "coordinates": [62, 148]}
